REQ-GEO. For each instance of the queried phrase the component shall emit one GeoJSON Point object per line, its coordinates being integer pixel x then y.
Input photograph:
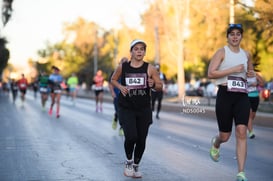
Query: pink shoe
{"type": "Point", "coordinates": [50, 112]}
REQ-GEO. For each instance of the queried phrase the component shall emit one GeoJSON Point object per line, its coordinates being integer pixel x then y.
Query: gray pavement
{"type": "Point", "coordinates": [81, 145]}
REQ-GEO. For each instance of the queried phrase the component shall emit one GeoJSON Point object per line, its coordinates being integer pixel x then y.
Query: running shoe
{"type": "Point", "coordinates": [114, 124]}
{"type": "Point", "coordinates": [137, 173]}
{"type": "Point", "coordinates": [120, 133]}
{"type": "Point", "coordinates": [214, 152]}
{"type": "Point", "coordinates": [50, 112]}
{"type": "Point", "coordinates": [58, 115]}
{"type": "Point", "coordinates": [241, 176]}
{"type": "Point", "coordinates": [129, 170]}
{"type": "Point", "coordinates": [251, 135]}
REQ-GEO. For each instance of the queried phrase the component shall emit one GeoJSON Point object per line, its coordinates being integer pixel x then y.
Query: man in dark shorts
{"type": "Point", "coordinates": [22, 84]}
{"type": "Point", "coordinates": [115, 93]}
{"type": "Point", "coordinates": [43, 88]}
{"type": "Point", "coordinates": [157, 96]}
{"type": "Point", "coordinates": [98, 81]}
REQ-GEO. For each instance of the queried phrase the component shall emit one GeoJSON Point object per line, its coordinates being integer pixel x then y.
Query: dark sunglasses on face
{"type": "Point", "coordinates": [235, 26]}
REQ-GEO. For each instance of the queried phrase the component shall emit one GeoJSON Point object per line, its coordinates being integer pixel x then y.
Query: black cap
{"type": "Point", "coordinates": [235, 26]}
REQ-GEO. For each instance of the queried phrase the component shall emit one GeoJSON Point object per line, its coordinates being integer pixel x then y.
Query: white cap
{"type": "Point", "coordinates": [136, 41]}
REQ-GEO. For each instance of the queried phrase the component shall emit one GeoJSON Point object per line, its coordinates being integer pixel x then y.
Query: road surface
{"type": "Point", "coordinates": [81, 145]}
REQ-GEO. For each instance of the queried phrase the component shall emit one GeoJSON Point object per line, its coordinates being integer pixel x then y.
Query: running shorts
{"type": "Point", "coordinates": [254, 103]}
{"type": "Point", "coordinates": [231, 106]}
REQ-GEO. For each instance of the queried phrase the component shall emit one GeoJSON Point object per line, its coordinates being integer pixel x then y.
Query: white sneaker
{"type": "Point", "coordinates": [137, 173]}
{"type": "Point", "coordinates": [128, 170]}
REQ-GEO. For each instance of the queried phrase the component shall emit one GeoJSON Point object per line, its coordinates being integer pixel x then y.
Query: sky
{"type": "Point", "coordinates": [35, 22]}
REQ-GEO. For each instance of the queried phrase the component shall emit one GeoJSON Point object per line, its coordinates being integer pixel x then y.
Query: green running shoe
{"type": "Point", "coordinates": [241, 176]}
{"type": "Point", "coordinates": [114, 124]}
{"type": "Point", "coordinates": [121, 133]}
{"type": "Point", "coordinates": [214, 152]}
{"type": "Point", "coordinates": [251, 135]}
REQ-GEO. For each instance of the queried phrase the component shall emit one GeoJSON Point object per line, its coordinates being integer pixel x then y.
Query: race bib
{"type": "Point", "coordinates": [57, 91]}
{"type": "Point", "coordinates": [43, 89]}
{"type": "Point", "coordinates": [22, 85]}
{"type": "Point", "coordinates": [236, 84]}
{"type": "Point", "coordinates": [98, 88]}
{"type": "Point", "coordinates": [136, 80]}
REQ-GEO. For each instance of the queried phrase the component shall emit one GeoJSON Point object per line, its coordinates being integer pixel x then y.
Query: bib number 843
{"type": "Point", "coordinates": [238, 83]}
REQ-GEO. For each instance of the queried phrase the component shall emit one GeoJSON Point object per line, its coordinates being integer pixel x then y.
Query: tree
{"type": "Point", "coordinates": [93, 44]}
{"type": "Point", "coordinates": [262, 29]}
{"type": "Point", "coordinates": [77, 53]}
{"type": "Point", "coordinates": [4, 54]}
{"type": "Point", "coordinates": [264, 13]}
{"type": "Point", "coordinates": [171, 27]}
{"type": "Point", "coordinates": [6, 11]}
{"type": "Point", "coordinates": [165, 31]}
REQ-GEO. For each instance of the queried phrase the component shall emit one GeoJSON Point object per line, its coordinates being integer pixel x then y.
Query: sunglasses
{"type": "Point", "coordinates": [235, 26]}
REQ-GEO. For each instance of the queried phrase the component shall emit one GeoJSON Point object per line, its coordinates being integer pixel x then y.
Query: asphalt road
{"type": "Point", "coordinates": [81, 145]}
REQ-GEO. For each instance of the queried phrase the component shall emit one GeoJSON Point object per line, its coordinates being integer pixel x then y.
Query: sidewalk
{"type": "Point", "coordinates": [264, 115]}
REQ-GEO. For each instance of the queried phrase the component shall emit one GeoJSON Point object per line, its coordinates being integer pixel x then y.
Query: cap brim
{"type": "Point", "coordinates": [234, 28]}
{"type": "Point", "coordinates": [134, 42]}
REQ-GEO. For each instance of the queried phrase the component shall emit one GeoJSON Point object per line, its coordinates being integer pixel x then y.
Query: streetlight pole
{"type": "Point", "coordinates": [181, 55]}
{"type": "Point", "coordinates": [231, 11]}
{"type": "Point", "coordinates": [96, 52]}
{"type": "Point", "coordinates": [157, 60]}
{"type": "Point", "coordinates": [157, 54]}
{"type": "Point", "coordinates": [115, 61]}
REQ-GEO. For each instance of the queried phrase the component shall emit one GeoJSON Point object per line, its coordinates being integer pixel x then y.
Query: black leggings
{"type": "Point", "coordinates": [135, 125]}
